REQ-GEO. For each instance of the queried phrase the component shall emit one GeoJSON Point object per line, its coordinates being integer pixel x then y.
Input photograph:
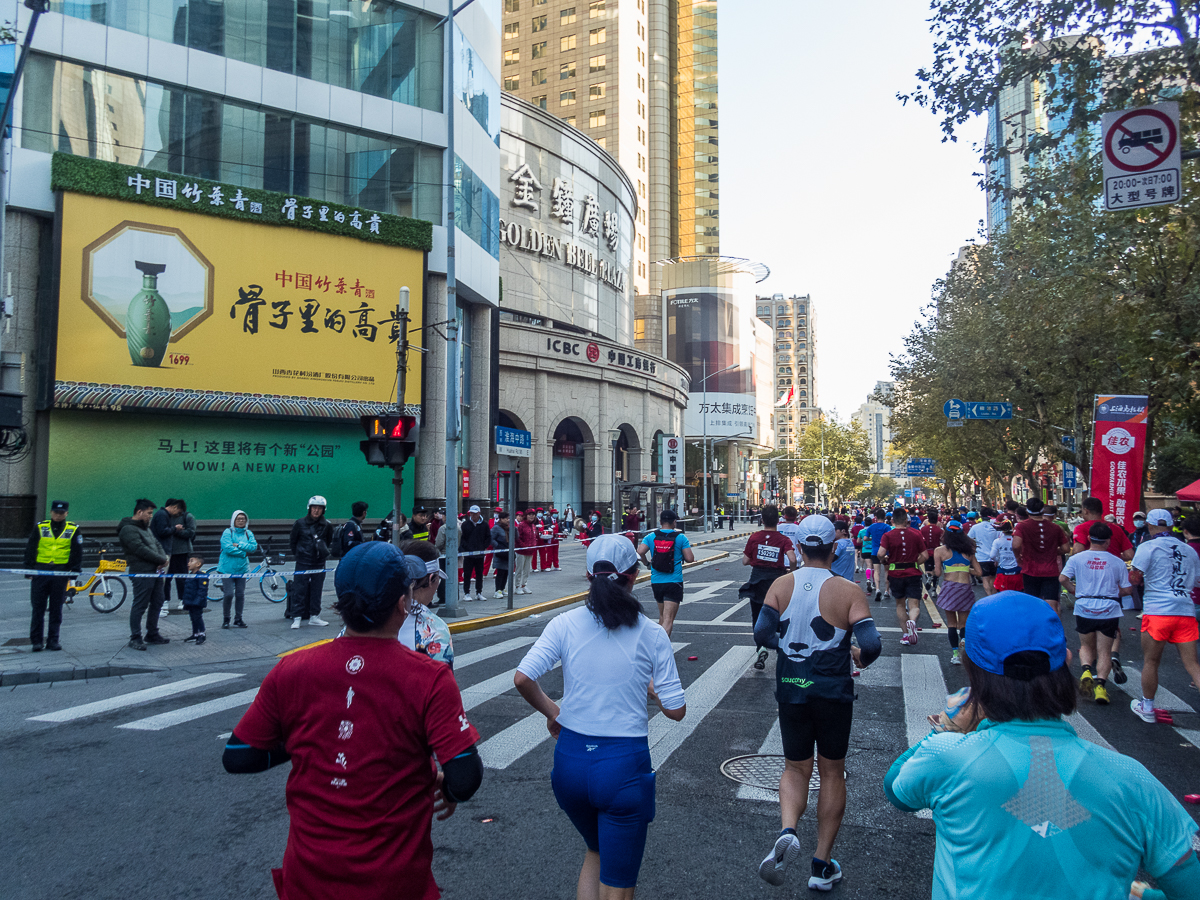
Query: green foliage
{"type": "Point", "coordinates": [106, 179]}
{"type": "Point", "coordinates": [881, 491]}
{"type": "Point", "coordinates": [1177, 462]}
{"type": "Point", "coordinates": [831, 452]}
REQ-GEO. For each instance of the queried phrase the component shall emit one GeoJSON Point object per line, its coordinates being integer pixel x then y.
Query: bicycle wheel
{"type": "Point", "coordinates": [216, 584]}
{"type": "Point", "coordinates": [274, 585]}
{"type": "Point", "coordinates": [108, 593]}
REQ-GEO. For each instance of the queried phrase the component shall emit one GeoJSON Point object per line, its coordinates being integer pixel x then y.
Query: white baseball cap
{"type": "Point", "coordinates": [614, 549]}
{"type": "Point", "coordinates": [815, 531]}
{"type": "Point", "coordinates": [1159, 517]}
{"type": "Point", "coordinates": [473, 509]}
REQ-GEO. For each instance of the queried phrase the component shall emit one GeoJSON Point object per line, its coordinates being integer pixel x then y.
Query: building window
{"type": "Point", "coordinates": [641, 109]}
{"type": "Point", "coordinates": [641, 189]}
{"type": "Point", "coordinates": [512, 57]}
{"type": "Point", "coordinates": [800, 323]}
{"type": "Point", "coordinates": [802, 380]}
{"type": "Point", "coordinates": [602, 143]}
{"type": "Point", "coordinates": [597, 64]}
{"type": "Point", "coordinates": [539, 24]}
{"type": "Point", "coordinates": [641, 162]}
{"type": "Point", "coordinates": [641, 134]}
{"type": "Point", "coordinates": [783, 323]}
{"type": "Point", "coordinates": [641, 242]}
{"type": "Point", "coordinates": [570, 120]}
{"type": "Point", "coordinates": [641, 30]}
{"type": "Point", "coordinates": [513, 29]}
{"type": "Point", "coordinates": [803, 393]}
{"type": "Point", "coordinates": [565, 71]}
{"type": "Point", "coordinates": [785, 370]}
{"type": "Point", "coordinates": [597, 36]}
{"type": "Point", "coordinates": [539, 49]}
{"type": "Point", "coordinates": [641, 56]}
{"type": "Point", "coordinates": [566, 16]}
{"type": "Point", "coordinates": [800, 310]}
{"type": "Point", "coordinates": [782, 310]}
{"type": "Point", "coordinates": [566, 98]}
{"type": "Point", "coordinates": [641, 83]}
{"type": "Point", "coordinates": [642, 270]}
{"type": "Point", "coordinates": [803, 370]}
{"type": "Point", "coordinates": [596, 9]}
{"type": "Point", "coordinates": [597, 118]}
{"type": "Point", "coordinates": [566, 43]}
{"type": "Point", "coordinates": [513, 83]}
{"type": "Point", "coordinates": [511, 6]}
{"type": "Point", "coordinates": [540, 101]}
{"type": "Point", "coordinates": [783, 346]}
{"type": "Point", "coordinates": [596, 91]}
{"type": "Point", "coordinates": [537, 76]}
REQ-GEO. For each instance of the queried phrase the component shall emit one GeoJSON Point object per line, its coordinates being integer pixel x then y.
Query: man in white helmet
{"type": "Point", "coordinates": [310, 546]}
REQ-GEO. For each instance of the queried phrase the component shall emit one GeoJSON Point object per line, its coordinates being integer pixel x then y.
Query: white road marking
{"type": "Point", "coordinates": [924, 693]}
{"type": "Point", "coordinates": [1085, 730]}
{"type": "Point", "coordinates": [1163, 699]}
{"type": "Point", "coordinates": [473, 656]}
{"type": "Point", "coordinates": [723, 618]}
{"type": "Point", "coordinates": [135, 699]}
{"type": "Point", "coordinates": [705, 590]}
{"type": "Point", "coordinates": [772, 746]}
{"type": "Point", "coordinates": [189, 713]}
{"type": "Point", "coordinates": [487, 689]}
{"type": "Point", "coordinates": [702, 696]}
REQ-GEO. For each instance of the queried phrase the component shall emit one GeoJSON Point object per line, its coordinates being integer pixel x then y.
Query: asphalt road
{"type": "Point", "coordinates": [97, 810]}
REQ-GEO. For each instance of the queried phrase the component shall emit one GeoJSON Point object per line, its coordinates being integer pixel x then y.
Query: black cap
{"type": "Point", "coordinates": [59, 506]}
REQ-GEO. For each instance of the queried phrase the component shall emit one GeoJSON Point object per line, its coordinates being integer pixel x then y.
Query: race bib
{"type": "Point", "coordinates": [767, 553]}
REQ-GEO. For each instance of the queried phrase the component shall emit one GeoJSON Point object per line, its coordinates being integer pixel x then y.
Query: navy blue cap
{"type": "Point", "coordinates": [59, 506]}
{"type": "Point", "coordinates": [376, 571]}
{"type": "Point", "coordinates": [1012, 622]}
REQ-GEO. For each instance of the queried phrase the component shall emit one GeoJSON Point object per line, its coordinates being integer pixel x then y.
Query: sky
{"type": "Point", "coordinates": [842, 191]}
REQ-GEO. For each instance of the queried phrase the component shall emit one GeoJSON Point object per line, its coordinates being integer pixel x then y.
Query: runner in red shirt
{"type": "Point", "coordinates": [1040, 545]}
{"type": "Point", "coordinates": [900, 552]}
{"type": "Point", "coordinates": [362, 719]}
{"type": "Point", "coordinates": [931, 534]}
{"type": "Point", "coordinates": [769, 555]}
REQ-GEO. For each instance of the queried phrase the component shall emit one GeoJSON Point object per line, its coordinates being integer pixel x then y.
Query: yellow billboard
{"type": "Point", "coordinates": [161, 308]}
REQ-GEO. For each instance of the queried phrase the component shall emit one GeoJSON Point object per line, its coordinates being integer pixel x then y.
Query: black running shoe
{"type": "Point", "coordinates": [761, 662]}
{"type": "Point", "coordinates": [1118, 674]}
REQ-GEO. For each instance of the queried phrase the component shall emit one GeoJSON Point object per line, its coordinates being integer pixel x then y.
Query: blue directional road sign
{"type": "Point", "coordinates": [513, 442]}
{"type": "Point", "coordinates": [1070, 473]}
{"type": "Point", "coordinates": [1000, 410]}
{"type": "Point", "coordinates": [920, 466]}
{"type": "Point", "coordinates": [955, 409]}
{"type": "Point", "coordinates": [908, 495]}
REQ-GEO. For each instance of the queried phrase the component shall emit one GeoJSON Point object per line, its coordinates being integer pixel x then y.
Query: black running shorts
{"type": "Point", "coordinates": [825, 723]}
{"type": "Point", "coordinates": [988, 568]}
{"type": "Point", "coordinates": [1107, 627]}
{"type": "Point", "coordinates": [670, 591]}
{"type": "Point", "coordinates": [907, 587]}
{"type": "Point", "coordinates": [1044, 587]}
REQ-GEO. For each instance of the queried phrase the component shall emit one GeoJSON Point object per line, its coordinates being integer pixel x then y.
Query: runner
{"type": "Point", "coordinates": [931, 534]}
{"type": "Point", "coordinates": [1092, 510]}
{"type": "Point", "coordinates": [1008, 569]}
{"type": "Point", "coordinates": [1040, 545]}
{"type": "Point", "coordinates": [843, 551]}
{"type": "Point", "coordinates": [671, 549]}
{"type": "Point", "coordinates": [808, 620]}
{"type": "Point", "coordinates": [871, 536]}
{"type": "Point", "coordinates": [1023, 806]}
{"type": "Point", "coordinates": [854, 530]}
{"type": "Point", "coordinates": [790, 527]}
{"type": "Point", "coordinates": [359, 718]}
{"type": "Point", "coordinates": [1098, 580]}
{"type": "Point", "coordinates": [984, 535]}
{"type": "Point", "coordinates": [1169, 569]}
{"type": "Point", "coordinates": [956, 561]}
{"type": "Point", "coordinates": [769, 555]}
{"type": "Point", "coordinates": [902, 550]}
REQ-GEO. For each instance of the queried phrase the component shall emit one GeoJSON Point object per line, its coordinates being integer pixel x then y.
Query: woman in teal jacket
{"type": "Point", "coordinates": [237, 543]}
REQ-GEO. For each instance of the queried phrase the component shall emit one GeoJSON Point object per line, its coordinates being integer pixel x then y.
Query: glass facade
{"type": "Point", "coordinates": [378, 48]}
{"type": "Point", "coordinates": [92, 112]}
{"type": "Point", "coordinates": [695, 230]}
{"type": "Point", "coordinates": [475, 87]}
{"type": "Point", "coordinates": [476, 208]}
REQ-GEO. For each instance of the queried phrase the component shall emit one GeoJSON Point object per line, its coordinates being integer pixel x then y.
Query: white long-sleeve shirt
{"type": "Point", "coordinates": [606, 673]}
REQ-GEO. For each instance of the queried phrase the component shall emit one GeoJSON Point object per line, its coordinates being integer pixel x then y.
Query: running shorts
{"type": "Point", "coordinates": [874, 559]}
{"type": "Point", "coordinates": [606, 787]}
{"type": "Point", "coordinates": [1110, 628]}
{"type": "Point", "coordinates": [1172, 629]}
{"type": "Point", "coordinates": [1044, 587]}
{"type": "Point", "coordinates": [671, 591]}
{"type": "Point", "coordinates": [988, 567]}
{"type": "Point", "coordinates": [823, 722]}
{"type": "Point", "coordinates": [907, 587]}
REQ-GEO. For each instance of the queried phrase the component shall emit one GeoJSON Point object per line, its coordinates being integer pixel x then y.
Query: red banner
{"type": "Point", "coordinates": [1118, 455]}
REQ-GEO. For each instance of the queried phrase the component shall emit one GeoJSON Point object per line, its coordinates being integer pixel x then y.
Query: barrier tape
{"type": "Point", "coordinates": [56, 573]}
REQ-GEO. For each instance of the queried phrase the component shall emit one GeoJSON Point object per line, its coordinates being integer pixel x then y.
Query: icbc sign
{"type": "Point", "coordinates": [670, 468]}
{"type": "Point", "coordinates": [593, 353]}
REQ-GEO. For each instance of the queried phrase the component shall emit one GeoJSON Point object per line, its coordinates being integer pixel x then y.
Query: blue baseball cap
{"type": "Point", "coordinates": [1012, 622]}
{"type": "Point", "coordinates": [376, 572]}
{"type": "Point", "coordinates": [972, 515]}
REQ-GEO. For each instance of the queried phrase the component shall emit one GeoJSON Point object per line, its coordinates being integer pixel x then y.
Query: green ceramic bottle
{"type": "Point", "coordinates": [148, 322]}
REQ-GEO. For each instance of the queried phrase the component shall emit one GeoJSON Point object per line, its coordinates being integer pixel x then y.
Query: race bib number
{"type": "Point", "coordinates": [767, 553]}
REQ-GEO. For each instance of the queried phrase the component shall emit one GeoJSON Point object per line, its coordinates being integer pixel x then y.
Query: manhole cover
{"type": "Point", "coordinates": [17, 642]}
{"type": "Point", "coordinates": [761, 771]}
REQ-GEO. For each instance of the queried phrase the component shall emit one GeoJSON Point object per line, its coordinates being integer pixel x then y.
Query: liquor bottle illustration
{"type": "Point", "coordinates": [148, 322]}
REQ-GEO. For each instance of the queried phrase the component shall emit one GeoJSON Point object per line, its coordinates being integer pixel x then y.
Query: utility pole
{"type": "Point", "coordinates": [401, 381]}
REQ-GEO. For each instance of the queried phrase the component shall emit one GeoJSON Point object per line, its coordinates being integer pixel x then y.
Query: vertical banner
{"type": "Point", "coordinates": [1118, 454]}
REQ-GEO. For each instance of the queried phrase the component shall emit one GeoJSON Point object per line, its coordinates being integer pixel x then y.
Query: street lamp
{"type": "Point", "coordinates": [704, 376]}
{"type": "Point", "coordinates": [614, 435]}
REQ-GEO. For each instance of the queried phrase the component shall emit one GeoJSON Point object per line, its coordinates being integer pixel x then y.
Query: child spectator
{"type": "Point", "coordinates": [195, 598]}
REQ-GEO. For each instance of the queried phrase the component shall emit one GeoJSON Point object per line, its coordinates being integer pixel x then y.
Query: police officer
{"type": "Point", "coordinates": [55, 544]}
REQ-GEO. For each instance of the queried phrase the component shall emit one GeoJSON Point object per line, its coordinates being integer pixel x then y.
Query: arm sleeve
{"type": "Point", "coordinates": [242, 759]}
{"type": "Point", "coordinates": [447, 729]}
{"type": "Point", "coordinates": [890, 777]}
{"type": "Point", "coordinates": [666, 675]}
{"type": "Point", "coordinates": [260, 727]}
{"type": "Point", "coordinates": [462, 775]}
{"type": "Point", "coordinates": [1141, 557]}
{"type": "Point", "coordinates": [294, 537]}
{"type": "Point", "coordinates": [1167, 834]}
{"type": "Point", "coordinates": [912, 780]}
{"type": "Point", "coordinates": [1069, 567]}
{"type": "Point", "coordinates": [250, 545]}
{"type": "Point", "coordinates": [227, 545]}
{"type": "Point", "coordinates": [1179, 882]}
{"type": "Point", "coordinates": [766, 628]}
{"type": "Point", "coordinates": [869, 643]}
{"type": "Point", "coordinates": [545, 652]}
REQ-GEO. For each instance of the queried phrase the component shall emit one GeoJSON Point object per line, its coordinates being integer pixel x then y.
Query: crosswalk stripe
{"type": "Point", "coordinates": [1087, 731]}
{"type": "Point", "coordinates": [924, 692]}
{"type": "Point", "coordinates": [503, 749]}
{"type": "Point", "coordinates": [724, 617]}
{"type": "Point", "coordinates": [487, 689]}
{"type": "Point", "coordinates": [136, 698]}
{"type": "Point", "coordinates": [702, 696]}
{"type": "Point", "coordinates": [772, 746]}
{"type": "Point", "coordinates": [189, 713]}
{"type": "Point", "coordinates": [1163, 699]}
{"type": "Point", "coordinates": [473, 656]}
{"type": "Point", "coordinates": [706, 591]}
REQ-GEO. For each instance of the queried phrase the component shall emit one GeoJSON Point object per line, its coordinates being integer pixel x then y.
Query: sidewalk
{"type": "Point", "coordinates": [95, 645]}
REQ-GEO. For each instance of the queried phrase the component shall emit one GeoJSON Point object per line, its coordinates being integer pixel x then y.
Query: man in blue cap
{"type": "Point", "coordinates": [1014, 790]}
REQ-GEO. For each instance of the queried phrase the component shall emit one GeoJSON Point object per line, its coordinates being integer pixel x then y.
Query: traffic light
{"type": "Point", "coordinates": [391, 440]}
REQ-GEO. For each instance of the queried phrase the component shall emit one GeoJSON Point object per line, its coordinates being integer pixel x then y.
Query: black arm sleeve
{"type": "Point", "coordinates": [869, 644]}
{"type": "Point", "coordinates": [766, 628]}
{"type": "Point", "coordinates": [462, 775]}
{"type": "Point", "coordinates": [242, 759]}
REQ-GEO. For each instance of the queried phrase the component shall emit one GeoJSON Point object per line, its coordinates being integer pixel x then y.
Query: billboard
{"type": "Point", "coordinates": [162, 308]}
{"type": "Point", "coordinates": [1118, 455]}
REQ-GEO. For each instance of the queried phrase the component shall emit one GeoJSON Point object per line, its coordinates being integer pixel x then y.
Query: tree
{"type": "Point", "coordinates": [1177, 462]}
{"type": "Point", "coordinates": [879, 490]}
{"type": "Point", "coordinates": [834, 453]}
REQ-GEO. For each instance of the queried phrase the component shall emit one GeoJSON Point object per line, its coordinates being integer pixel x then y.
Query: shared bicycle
{"type": "Point", "coordinates": [105, 588]}
{"type": "Point", "coordinates": [272, 584]}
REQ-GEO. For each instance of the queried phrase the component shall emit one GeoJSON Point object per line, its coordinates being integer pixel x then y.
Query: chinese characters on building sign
{"type": "Point", "coordinates": [629, 361]}
{"type": "Point", "coordinates": [530, 240]}
{"type": "Point", "coordinates": [250, 299]}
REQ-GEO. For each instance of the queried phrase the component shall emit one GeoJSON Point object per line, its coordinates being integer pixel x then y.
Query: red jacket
{"type": "Point", "coordinates": [526, 537]}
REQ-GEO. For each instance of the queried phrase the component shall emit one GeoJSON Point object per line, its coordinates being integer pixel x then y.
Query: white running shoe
{"type": "Point", "coordinates": [296, 622]}
{"type": "Point", "coordinates": [910, 630]}
{"type": "Point", "coordinates": [317, 620]}
{"type": "Point", "coordinates": [1146, 715]}
{"type": "Point", "coordinates": [827, 879]}
{"type": "Point", "coordinates": [498, 595]}
{"type": "Point", "coordinates": [956, 657]}
{"type": "Point", "coordinates": [785, 851]}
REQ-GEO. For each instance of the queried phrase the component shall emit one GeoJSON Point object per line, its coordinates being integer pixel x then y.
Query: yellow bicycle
{"type": "Point", "coordinates": [106, 590]}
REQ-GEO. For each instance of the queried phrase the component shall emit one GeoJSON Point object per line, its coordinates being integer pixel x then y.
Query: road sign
{"type": "Point", "coordinates": [513, 442]}
{"type": "Point", "coordinates": [732, 495]}
{"type": "Point", "coordinates": [999, 410]}
{"type": "Point", "coordinates": [908, 495]}
{"type": "Point", "coordinates": [670, 467]}
{"type": "Point", "coordinates": [922, 465]}
{"type": "Point", "coordinates": [955, 410]}
{"type": "Point", "coordinates": [955, 423]}
{"type": "Point", "coordinates": [1070, 477]}
{"type": "Point", "coordinates": [1141, 157]}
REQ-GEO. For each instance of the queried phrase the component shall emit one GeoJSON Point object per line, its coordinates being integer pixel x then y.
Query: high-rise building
{"type": "Point", "coordinates": [875, 418]}
{"type": "Point", "coordinates": [793, 320]}
{"type": "Point", "coordinates": [640, 78]}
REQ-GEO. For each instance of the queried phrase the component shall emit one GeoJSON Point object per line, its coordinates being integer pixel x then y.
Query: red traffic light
{"type": "Point", "coordinates": [398, 428]}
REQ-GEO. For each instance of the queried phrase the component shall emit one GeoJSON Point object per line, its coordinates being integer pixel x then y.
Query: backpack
{"type": "Point", "coordinates": [663, 545]}
{"type": "Point", "coordinates": [337, 546]}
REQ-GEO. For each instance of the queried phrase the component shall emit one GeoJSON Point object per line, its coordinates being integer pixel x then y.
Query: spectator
{"type": "Point", "coordinates": [500, 558]}
{"type": "Point", "coordinates": [175, 527]}
{"type": "Point", "coordinates": [237, 543]}
{"type": "Point", "coordinates": [55, 544]}
{"type": "Point", "coordinates": [309, 542]}
{"type": "Point", "coordinates": [1020, 793]}
{"type": "Point", "coordinates": [526, 544]}
{"type": "Point", "coordinates": [195, 599]}
{"type": "Point", "coordinates": [474, 537]}
{"type": "Point", "coordinates": [351, 534]}
{"type": "Point", "coordinates": [145, 556]}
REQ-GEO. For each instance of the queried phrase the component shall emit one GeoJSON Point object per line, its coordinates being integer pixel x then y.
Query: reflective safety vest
{"type": "Point", "coordinates": [55, 550]}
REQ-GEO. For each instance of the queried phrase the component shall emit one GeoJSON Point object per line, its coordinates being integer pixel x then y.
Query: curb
{"type": "Point", "coordinates": [69, 673]}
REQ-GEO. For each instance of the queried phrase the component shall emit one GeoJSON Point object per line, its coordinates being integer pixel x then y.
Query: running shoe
{"type": "Point", "coordinates": [1118, 673]}
{"type": "Point", "coordinates": [1087, 686]}
{"type": "Point", "coordinates": [878, 596]}
{"type": "Point", "coordinates": [910, 629]}
{"type": "Point", "coordinates": [317, 620]}
{"type": "Point", "coordinates": [1146, 715]}
{"type": "Point", "coordinates": [1100, 695]}
{"type": "Point", "coordinates": [956, 657]}
{"type": "Point", "coordinates": [904, 640]}
{"type": "Point", "coordinates": [825, 876]}
{"type": "Point", "coordinates": [786, 850]}
{"type": "Point", "coordinates": [761, 662]}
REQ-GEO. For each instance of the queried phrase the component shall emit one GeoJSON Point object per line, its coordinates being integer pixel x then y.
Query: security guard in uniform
{"type": "Point", "coordinates": [55, 544]}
